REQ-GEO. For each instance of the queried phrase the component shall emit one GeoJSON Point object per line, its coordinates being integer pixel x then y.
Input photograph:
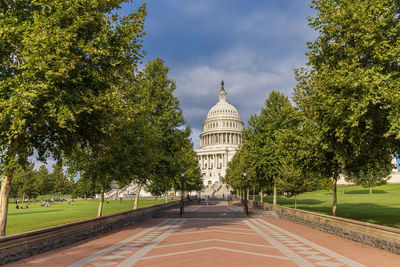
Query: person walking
{"type": "Point", "coordinates": [229, 198]}
{"type": "Point", "coordinates": [206, 200]}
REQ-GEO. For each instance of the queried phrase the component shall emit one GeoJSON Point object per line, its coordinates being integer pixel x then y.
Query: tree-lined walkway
{"type": "Point", "coordinates": [215, 241]}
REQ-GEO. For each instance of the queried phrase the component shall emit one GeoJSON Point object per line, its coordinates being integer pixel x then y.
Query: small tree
{"type": "Point", "coordinates": [372, 175]}
{"type": "Point", "coordinates": [25, 182]}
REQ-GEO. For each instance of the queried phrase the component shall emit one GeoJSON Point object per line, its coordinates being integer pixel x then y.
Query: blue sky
{"type": "Point", "coordinates": [252, 45]}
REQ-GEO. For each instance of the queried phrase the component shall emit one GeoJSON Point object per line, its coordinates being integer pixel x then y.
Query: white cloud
{"type": "Point", "coordinates": [248, 76]}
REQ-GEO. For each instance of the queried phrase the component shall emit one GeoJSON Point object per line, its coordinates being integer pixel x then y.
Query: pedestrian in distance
{"type": "Point", "coordinates": [206, 200]}
{"type": "Point", "coordinates": [229, 198]}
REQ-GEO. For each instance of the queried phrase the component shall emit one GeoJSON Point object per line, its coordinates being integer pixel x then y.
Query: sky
{"type": "Point", "coordinates": [254, 46]}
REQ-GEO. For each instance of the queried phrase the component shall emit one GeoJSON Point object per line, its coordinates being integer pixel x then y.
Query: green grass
{"type": "Point", "coordinates": [36, 217]}
{"type": "Point", "coordinates": [382, 207]}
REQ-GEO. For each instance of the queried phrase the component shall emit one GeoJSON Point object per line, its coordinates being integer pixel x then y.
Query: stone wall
{"type": "Point", "coordinates": [382, 237]}
{"type": "Point", "coordinates": [16, 247]}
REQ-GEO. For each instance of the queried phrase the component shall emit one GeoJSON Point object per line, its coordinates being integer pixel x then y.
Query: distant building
{"type": "Point", "coordinates": [221, 137]}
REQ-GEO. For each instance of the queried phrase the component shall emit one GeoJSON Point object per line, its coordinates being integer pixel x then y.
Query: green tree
{"type": "Point", "coordinates": [189, 165]}
{"type": "Point", "coordinates": [350, 88]}
{"type": "Point", "coordinates": [44, 183]}
{"type": "Point", "coordinates": [61, 183]}
{"type": "Point", "coordinates": [86, 188]}
{"type": "Point", "coordinates": [166, 119]}
{"type": "Point", "coordinates": [24, 182]}
{"type": "Point", "coordinates": [59, 62]}
{"type": "Point", "coordinates": [371, 175]}
{"type": "Point", "coordinates": [277, 115]}
{"type": "Point", "coordinates": [297, 172]}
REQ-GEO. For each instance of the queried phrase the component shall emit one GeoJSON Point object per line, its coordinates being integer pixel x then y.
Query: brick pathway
{"type": "Point", "coordinates": [218, 241]}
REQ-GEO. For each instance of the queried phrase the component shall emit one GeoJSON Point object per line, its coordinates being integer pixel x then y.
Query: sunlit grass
{"type": "Point", "coordinates": [382, 207]}
{"type": "Point", "coordinates": [36, 217]}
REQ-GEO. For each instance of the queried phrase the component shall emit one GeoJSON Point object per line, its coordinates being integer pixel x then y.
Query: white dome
{"type": "Point", "coordinates": [223, 125]}
{"type": "Point", "coordinates": [222, 108]}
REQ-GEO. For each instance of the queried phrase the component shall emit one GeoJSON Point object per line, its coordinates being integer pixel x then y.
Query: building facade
{"type": "Point", "coordinates": [221, 137]}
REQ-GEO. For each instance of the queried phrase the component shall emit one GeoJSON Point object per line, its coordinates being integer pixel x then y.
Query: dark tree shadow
{"type": "Point", "coordinates": [365, 191]}
{"type": "Point", "coordinates": [23, 212]}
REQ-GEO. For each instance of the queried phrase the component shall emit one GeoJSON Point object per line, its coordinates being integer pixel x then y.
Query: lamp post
{"type": "Point", "coordinates": [246, 208]}
{"type": "Point", "coordinates": [182, 204]}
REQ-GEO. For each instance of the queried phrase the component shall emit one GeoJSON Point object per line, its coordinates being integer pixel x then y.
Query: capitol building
{"type": "Point", "coordinates": [221, 137]}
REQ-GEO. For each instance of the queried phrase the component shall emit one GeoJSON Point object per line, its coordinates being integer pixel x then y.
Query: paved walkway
{"type": "Point", "coordinates": [221, 241]}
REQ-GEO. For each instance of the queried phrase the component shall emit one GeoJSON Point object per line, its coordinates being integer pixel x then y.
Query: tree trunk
{"type": "Point", "coordinates": [5, 190]}
{"type": "Point", "coordinates": [100, 210]}
{"type": "Point", "coordinates": [295, 202]}
{"type": "Point", "coordinates": [261, 195]}
{"type": "Point", "coordinates": [23, 198]}
{"type": "Point", "coordinates": [334, 195]}
{"type": "Point", "coordinates": [166, 198]}
{"type": "Point", "coordinates": [254, 193]}
{"type": "Point", "coordinates": [135, 206]}
{"type": "Point", "coordinates": [274, 201]}
{"type": "Point", "coordinates": [370, 190]}
{"type": "Point", "coordinates": [248, 193]}
{"type": "Point", "coordinates": [155, 200]}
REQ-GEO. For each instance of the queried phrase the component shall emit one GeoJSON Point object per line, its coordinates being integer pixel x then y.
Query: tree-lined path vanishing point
{"type": "Point", "coordinates": [214, 235]}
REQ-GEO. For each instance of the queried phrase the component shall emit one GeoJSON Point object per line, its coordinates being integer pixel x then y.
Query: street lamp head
{"type": "Point", "coordinates": [244, 173]}
{"type": "Point", "coordinates": [183, 174]}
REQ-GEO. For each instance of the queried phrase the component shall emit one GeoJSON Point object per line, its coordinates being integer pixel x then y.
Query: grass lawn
{"type": "Point", "coordinates": [382, 207]}
{"type": "Point", "coordinates": [36, 217]}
